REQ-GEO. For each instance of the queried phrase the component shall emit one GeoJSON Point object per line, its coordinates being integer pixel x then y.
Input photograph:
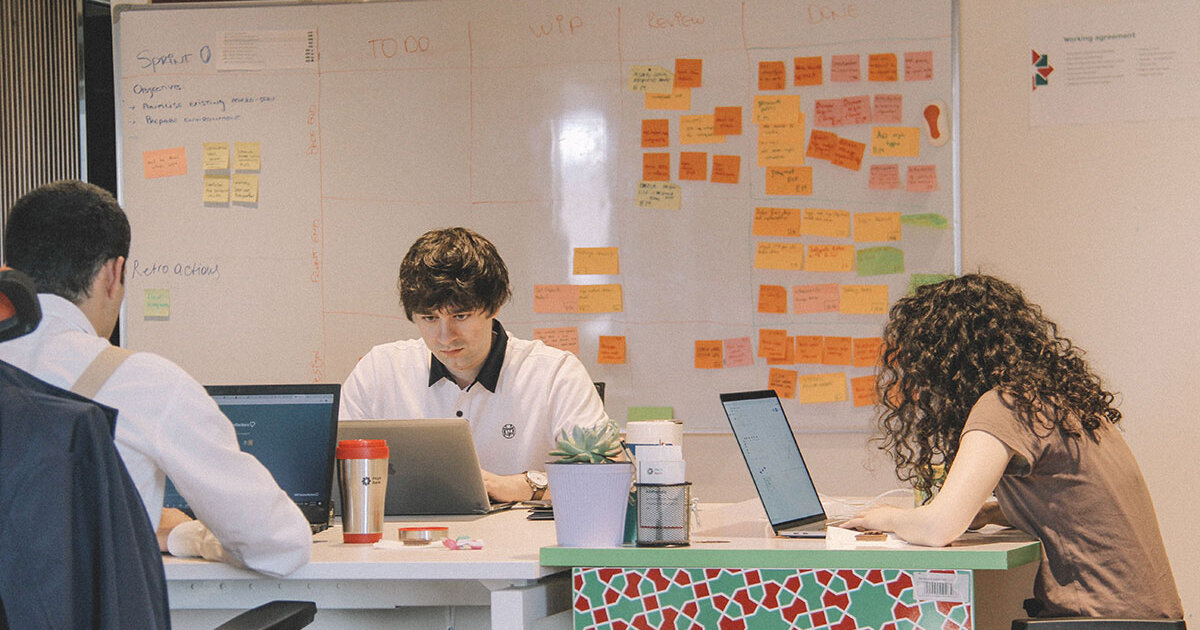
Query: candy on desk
{"type": "Point", "coordinates": [463, 542]}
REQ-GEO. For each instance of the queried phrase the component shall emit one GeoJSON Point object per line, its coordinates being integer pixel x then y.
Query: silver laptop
{"type": "Point", "coordinates": [776, 465]}
{"type": "Point", "coordinates": [433, 467]}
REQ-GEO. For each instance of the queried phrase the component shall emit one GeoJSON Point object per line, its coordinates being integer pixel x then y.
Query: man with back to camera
{"type": "Point", "coordinates": [73, 239]}
{"type": "Point", "coordinates": [517, 394]}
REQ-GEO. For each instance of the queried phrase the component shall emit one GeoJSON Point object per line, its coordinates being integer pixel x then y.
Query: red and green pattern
{"type": "Point", "coordinates": [758, 599]}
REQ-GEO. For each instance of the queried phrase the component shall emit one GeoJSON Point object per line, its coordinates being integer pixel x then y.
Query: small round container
{"type": "Point", "coordinates": [422, 535]}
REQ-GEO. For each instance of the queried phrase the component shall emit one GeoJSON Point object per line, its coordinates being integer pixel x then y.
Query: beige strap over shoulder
{"type": "Point", "coordinates": [97, 373]}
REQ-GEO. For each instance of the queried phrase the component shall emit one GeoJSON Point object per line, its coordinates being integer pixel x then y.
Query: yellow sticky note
{"type": "Point", "coordinates": [245, 188]}
{"type": "Point", "coordinates": [600, 298]}
{"type": "Point", "coordinates": [247, 156]}
{"type": "Point", "coordinates": [709, 355]}
{"type": "Point", "coordinates": [564, 338]}
{"type": "Point", "coordinates": [896, 141]}
{"type": "Point", "coordinates": [612, 350]}
{"type": "Point", "coordinates": [216, 189]}
{"type": "Point", "coordinates": [789, 180]}
{"type": "Point", "coordinates": [659, 196]}
{"type": "Point", "coordinates": [651, 79]}
{"type": "Point", "coordinates": [216, 156]}
{"type": "Point", "coordinates": [698, 129]}
{"type": "Point", "coordinates": [776, 109]}
{"type": "Point", "coordinates": [777, 222]}
{"type": "Point", "coordinates": [780, 152]}
{"type": "Point", "coordinates": [679, 98]}
{"type": "Point", "coordinates": [821, 388]}
{"type": "Point", "coordinates": [826, 222]}
{"type": "Point", "coordinates": [829, 258]}
{"type": "Point", "coordinates": [789, 256]}
{"type": "Point", "coordinates": [596, 260]}
{"type": "Point", "coordinates": [864, 299]}
{"type": "Point", "coordinates": [791, 131]}
{"type": "Point", "coordinates": [876, 226]}
{"type": "Point", "coordinates": [164, 163]}
{"type": "Point", "coordinates": [156, 304]}
{"type": "Point", "coordinates": [555, 298]}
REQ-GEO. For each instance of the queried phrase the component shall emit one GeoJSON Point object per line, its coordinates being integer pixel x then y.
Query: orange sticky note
{"type": "Point", "coordinates": [883, 67]}
{"type": "Point", "coordinates": [785, 132]}
{"type": "Point", "coordinates": [789, 180]}
{"type": "Point", "coordinates": [596, 261]}
{"type": "Point", "coordinates": [822, 145]}
{"type": "Point", "coordinates": [612, 350]}
{"type": "Point", "coordinates": [689, 73]}
{"type": "Point", "coordinates": [738, 352]}
{"type": "Point", "coordinates": [838, 351]}
{"type": "Point", "coordinates": [789, 353]}
{"type": "Point", "coordinates": [849, 154]}
{"type": "Point", "coordinates": [164, 163]}
{"type": "Point", "coordinates": [777, 222]}
{"type": "Point", "coordinates": [864, 299]}
{"type": "Point", "coordinates": [809, 348]}
{"type": "Point", "coordinates": [887, 108]}
{"type": "Point", "coordinates": [895, 141]}
{"type": "Point", "coordinates": [680, 99]}
{"type": "Point", "coordinates": [780, 152]}
{"type": "Point", "coordinates": [727, 121]}
{"type": "Point", "coordinates": [844, 69]}
{"type": "Point", "coordinates": [816, 298]}
{"type": "Point", "coordinates": [772, 298]}
{"type": "Point", "coordinates": [863, 390]}
{"type": "Point", "coordinates": [787, 256]}
{"type": "Point", "coordinates": [698, 130]}
{"type": "Point", "coordinates": [876, 226]}
{"type": "Point", "coordinates": [826, 222]}
{"type": "Point", "coordinates": [807, 71]}
{"type": "Point", "coordinates": [726, 169]}
{"type": "Point", "coordinates": [600, 298]}
{"type": "Point", "coordinates": [782, 381]}
{"type": "Point", "coordinates": [565, 338]}
{"type": "Point", "coordinates": [866, 351]}
{"type": "Point", "coordinates": [772, 75]}
{"type": "Point", "coordinates": [708, 355]}
{"type": "Point", "coordinates": [656, 133]}
{"type": "Point", "coordinates": [656, 167]}
{"type": "Point", "coordinates": [922, 178]}
{"type": "Point", "coordinates": [693, 165]}
{"type": "Point", "coordinates": [885, 177]}
{"type": "Point", "coordinates": [555, 298]}
{"type": "Point", "coordinates": [821, 388]}
{"type": "Point", "coordinates": [776, 109]}
{"type": "Point", "coordinates": [771, 343]}
{"type": "Point", "coordinates": [829, 258]}
{"type": "Point", "coordinates": [918, 66]}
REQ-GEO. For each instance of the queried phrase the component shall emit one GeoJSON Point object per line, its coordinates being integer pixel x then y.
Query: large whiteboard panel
{"type": "Point", "coordinates": [374, 122]}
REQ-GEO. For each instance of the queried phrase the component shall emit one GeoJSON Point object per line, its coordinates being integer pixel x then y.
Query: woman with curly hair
{"type": "Point", "coordinates": [975, 380]}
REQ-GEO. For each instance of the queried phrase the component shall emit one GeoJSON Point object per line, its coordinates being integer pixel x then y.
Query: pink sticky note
{"type": "Point", "coordinates": [845, 69]}
{"type": "Point", "coordinates": [555, 298]}
{"type": "Point", "coordinates": [739, 352]}
{"type": "Point", "coordinates": [857, 110]}
{"type": "Point", "coordinates": [885, 177]}
{"type": "Point", "coordinates": [887, 108]}
{"type": "Point", "coordinates": [816, 298]}
{"type": "Point", "coordinates": [918, 66]}
{"type": "Point", "coordinates": [922, 178]}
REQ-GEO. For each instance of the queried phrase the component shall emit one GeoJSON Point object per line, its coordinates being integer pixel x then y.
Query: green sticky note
{"type": "Point", "coordinates": [156, 305]}
{"type": "Point", "coordinates": [930, 220]}
{"type": "Point", "coordinates": [878, 261]}
{"type": "Point", "coordinates": [921, 279]}
{"type": "Point", "coordinates": [637, 414]}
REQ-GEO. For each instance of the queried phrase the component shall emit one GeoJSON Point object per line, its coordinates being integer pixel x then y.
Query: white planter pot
{"type": "Point", "coordinates": [590, 502]}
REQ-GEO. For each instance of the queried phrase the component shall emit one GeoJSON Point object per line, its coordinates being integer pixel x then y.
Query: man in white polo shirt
{"type": "Point", "coordinates": [518, 395]}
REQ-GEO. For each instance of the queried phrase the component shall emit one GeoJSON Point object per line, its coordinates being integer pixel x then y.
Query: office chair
{"type": "Point", "coordinates": [1086, 623]}
{"type": "Point", "coordinates": [77, 546]}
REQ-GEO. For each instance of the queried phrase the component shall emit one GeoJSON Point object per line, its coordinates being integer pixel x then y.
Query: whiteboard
{"type": "Point", "coordinates": [277, 160]}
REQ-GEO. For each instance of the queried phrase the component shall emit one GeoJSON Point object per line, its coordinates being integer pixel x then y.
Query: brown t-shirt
{"type": "Point", "coordinates": [1086, 500]}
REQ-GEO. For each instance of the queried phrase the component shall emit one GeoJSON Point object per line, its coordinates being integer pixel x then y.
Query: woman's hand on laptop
{"type": "Point", "coordinates": [506, 488]}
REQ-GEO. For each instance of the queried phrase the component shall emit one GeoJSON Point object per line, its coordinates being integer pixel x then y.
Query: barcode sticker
{"type": "Point", "coordinates": [941, 587]}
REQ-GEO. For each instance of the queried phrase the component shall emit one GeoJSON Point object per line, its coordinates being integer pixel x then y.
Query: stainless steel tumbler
{"type": "Point", "coordinates": [362, 478]}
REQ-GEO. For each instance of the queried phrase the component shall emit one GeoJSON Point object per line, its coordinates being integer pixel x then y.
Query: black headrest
{"type": "Point", "coordinates": [19, 310]}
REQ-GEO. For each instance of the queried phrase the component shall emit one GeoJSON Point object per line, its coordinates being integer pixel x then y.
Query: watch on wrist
{"type": "Point", "coordinates": [537, 483]}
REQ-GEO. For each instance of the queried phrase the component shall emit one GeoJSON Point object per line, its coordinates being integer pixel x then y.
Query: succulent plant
{"type": "Point", "coordinates": [588, 445]}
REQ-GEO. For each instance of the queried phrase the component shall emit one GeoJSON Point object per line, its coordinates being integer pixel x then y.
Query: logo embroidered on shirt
{"type": "Point", "coordinates": [509, 431]}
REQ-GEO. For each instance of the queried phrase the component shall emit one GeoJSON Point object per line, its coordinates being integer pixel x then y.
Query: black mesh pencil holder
{"type": "Point", "coordinates": [663, 514]}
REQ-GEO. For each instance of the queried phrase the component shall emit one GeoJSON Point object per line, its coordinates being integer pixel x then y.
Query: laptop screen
{"type": "Point", "coordinates": [776, 465]}
{"type": "Point", "coordinates": [291, 429]}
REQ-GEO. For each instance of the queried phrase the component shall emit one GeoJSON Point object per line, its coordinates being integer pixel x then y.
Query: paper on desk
{"type": "Point", "coordinates": [841, 538]}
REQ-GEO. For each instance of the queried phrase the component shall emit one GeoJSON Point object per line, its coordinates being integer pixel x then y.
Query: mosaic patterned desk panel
{"type": "Point", "coordinates": [761, 599]}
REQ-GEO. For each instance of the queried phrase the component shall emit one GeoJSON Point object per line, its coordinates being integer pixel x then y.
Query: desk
{"type": "Point", "coordinates": [502, 585]}
{"type": "Point", "coordinates": [765, 583]}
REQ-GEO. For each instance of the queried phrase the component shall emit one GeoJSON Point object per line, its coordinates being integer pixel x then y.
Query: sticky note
{"type": "Point", "coordinates": [821, 388]}
{"type": "Point", "coordinates": [245, 188]}
{"type": "Point", "coordinates": [789, 180]}
{"type": "Point", "coordinates": [638, 414]}
{"type": "Point", "coordinates": [727, 121]}
{"type": "Point", "coordinates": [922, 178]}
{"type": "Point", "coordinates": [876, 226]}
{"type": "Point", "coordinates": [885, 177]}
{"type": "Point", "coordinates": [921, 279]}
{"type": "Point", "coordinates": [772, 75]}
{"type": "Point", "coordinates": [780, 152]}
{"type": "Point", "coordinates": [807, 71]}
{"type": "Point", "coordinates": [659, 196]}
{"type": "Point", "coordinates": [883, 67]}
{"type": "Point", "coordinates": [611, 350]}
{"type": "Point", "coordinates": [927, 220]}
{"type": "Point", "coordinates": [596, 260]}
{"type": "Point", "coordinates": [783, 382]}
{"type": "Point", "coordinates": [772, 255]}
{"type": "Point", "coordinates": [771, 342]}
{"type": "Point", "coordinates": [887, 108]}
{"type": "Point", "coordinates": [831, 258]}
{"type": "Point", "coordinates": [708, 355]}
{"type": "Point", "coordinates": [786, 132]}
{"type": "Point", "coordinates": [776, 108]}
{"type": "Point", "coordinates": [838, 351]}
{"type": "Point", "coordinates": [650, 79]}
{"type": "Point", "coordinates": [656, 167]}
{"type": "Point", "coordinates": [856, 110]}
{"type": "Point", "coordinates": [164, 163]}
{"type": "Point", "coordinates": [810, 349]}
{"type": "Point", "coordinates": [895, 141]}
{"type": "Point", "coordinates": [679, 99]}
{"type": "Point", "coordinates": [689, 73]}
{"type": "Point", "coordinates": [726, 169]}
{"type": "Point", "coordinates": [738, 352]}
{"type": "Point", "coordinates": [772, 298]}
{"type": "Point", "coordinates": [600, 298]}
{"type": "Point", "coordinates": [156, 305]}
{"type": "Point", "coordinates": [698, 129]}
{"type": "Point", "coordinates": [216, 156]}
{"type": "Point", "coordinates": [918, 65]}
{"type": "Point", "coordinates": [849, 154]}
{"type": "Point", "coordinates": [789, 353]}
{"type": "Point", "coordinates": [863, 390]}
{"type": "Point", "coordinates": [828, 112]}
{"type": "Point", "coordinates": [822, 145]}
{"type": "Point", "coordinates": [864, 299]}
{"type": "Point", "coordinates": [564, 338]}
{"type": "Point", "coordinates": [216, 189]}
{"type": "Point", "coordinates": [247, 156]}
{"type": "Point", "coordinates": [656, 133]}
{"type": "Point", "coordinates": [777, 222]}
{"type": "Point", "coordinates": [555, 298]}
{"type": "Point", "coordinates": [844, 69]}
{"type": "Point", "coordinates": [826, 222]}
{"type": "Point", "coordinates": [866, 351]}
{"type": "Point", "coordinates": [816, 298]}
{"type": "Point", "coordinates": [693, 166]}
